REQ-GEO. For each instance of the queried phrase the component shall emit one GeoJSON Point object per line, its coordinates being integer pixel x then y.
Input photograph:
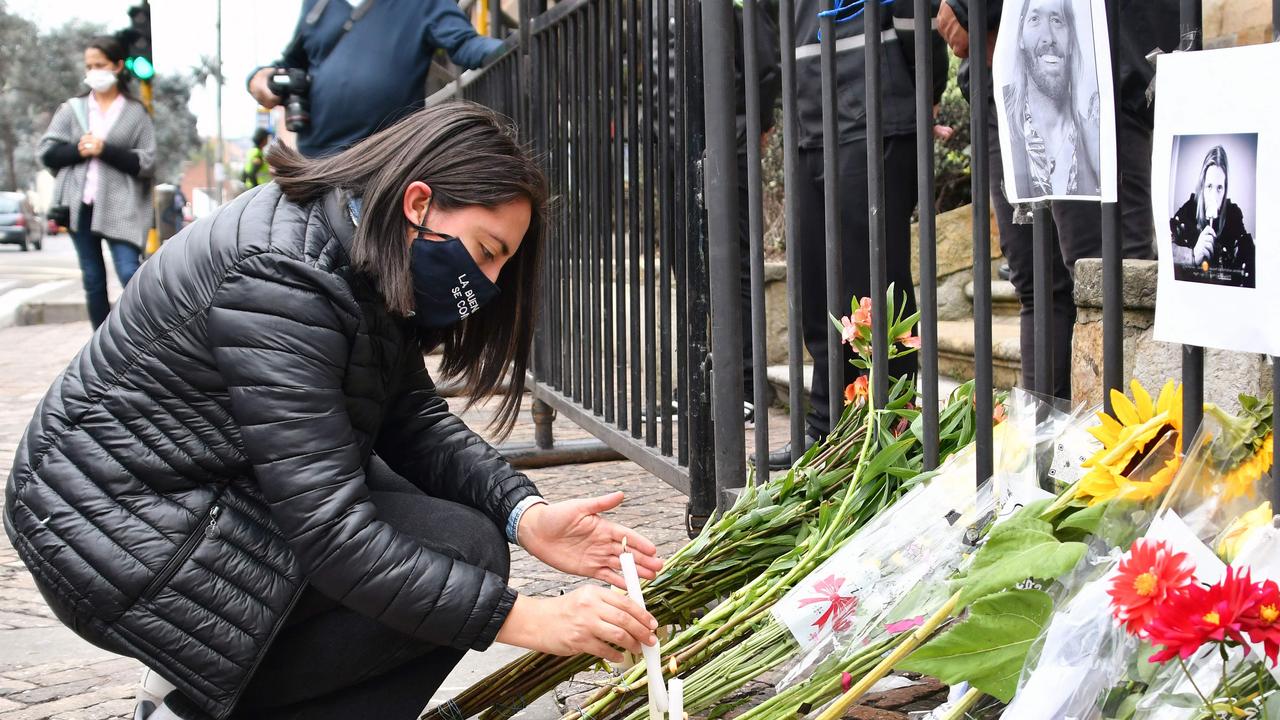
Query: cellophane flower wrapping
{"type": "Point", "coordinates": [1085, 665]}
{"type": "Point", "coordinates": [894, 573]}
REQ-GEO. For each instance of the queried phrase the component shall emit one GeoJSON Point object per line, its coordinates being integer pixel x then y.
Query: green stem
{"type": "Point", "coordinates": [1207, 705]}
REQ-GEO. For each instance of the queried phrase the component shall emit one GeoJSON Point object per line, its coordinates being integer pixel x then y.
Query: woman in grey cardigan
{"type": "Point", "coordinates": [102, 147]}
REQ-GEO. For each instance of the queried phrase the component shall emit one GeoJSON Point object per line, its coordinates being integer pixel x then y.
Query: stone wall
{"type": "Point", "coordinates": [1228, 23]}
{"type": "Point", "coordinates": [1227, 374]}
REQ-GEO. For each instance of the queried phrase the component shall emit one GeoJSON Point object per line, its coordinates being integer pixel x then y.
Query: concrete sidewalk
{"type": "Point", "coordinates": [48, 672]}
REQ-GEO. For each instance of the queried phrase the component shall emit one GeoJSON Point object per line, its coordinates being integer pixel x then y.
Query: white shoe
{"type": "Point", "coordinates": [153, 688]}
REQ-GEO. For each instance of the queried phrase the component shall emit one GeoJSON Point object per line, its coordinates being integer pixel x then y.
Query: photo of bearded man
{"type": "Point", "coordinates": [1051, 101]}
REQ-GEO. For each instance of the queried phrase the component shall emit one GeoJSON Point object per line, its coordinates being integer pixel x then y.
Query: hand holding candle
{"type": "Point", "coordinates": [652, 653]}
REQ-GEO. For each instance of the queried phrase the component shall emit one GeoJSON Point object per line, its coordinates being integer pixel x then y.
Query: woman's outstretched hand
{"type": "Point", "coordinates": [591, 620]}
{"type": "Point", "coordinates": [572, 537]}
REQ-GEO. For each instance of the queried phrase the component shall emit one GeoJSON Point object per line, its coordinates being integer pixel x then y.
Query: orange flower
{"type": "Point", "coordinates": [862, 316]}
{"type": "Point", "coordinates": [998, 415]}
{"type": "Point", "coordinates": [911, 341]}
{"type": "Point", "coordinates": [856, 391]}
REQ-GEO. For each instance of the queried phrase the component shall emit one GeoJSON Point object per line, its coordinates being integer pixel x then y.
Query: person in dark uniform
{"type": "Point", "coordinates": [898, 111]}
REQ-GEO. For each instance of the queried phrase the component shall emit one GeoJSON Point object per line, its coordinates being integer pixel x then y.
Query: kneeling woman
{"type": "Point", "coordinates": [246, 479]}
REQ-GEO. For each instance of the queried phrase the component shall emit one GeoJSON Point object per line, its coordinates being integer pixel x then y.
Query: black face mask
{"type": "Point", "coordinates": [448, 286]}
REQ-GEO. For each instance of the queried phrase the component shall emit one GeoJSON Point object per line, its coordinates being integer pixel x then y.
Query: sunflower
{"type": "Point", "coordinates": [1242, 480]}
{"type": "Point", "coordinates": [1127, 438]}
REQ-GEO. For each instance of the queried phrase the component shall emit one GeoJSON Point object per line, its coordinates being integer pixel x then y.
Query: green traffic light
{"type": "Point", "coordinates": [140, 67]}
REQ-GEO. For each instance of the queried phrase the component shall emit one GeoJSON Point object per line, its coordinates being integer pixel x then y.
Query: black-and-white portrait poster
{"type": "Point", "coordinates": [1215, 158]}
{"type": "Point", "coordinates": [1053, 92]}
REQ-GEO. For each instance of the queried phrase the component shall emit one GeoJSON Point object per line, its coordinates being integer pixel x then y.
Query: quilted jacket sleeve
{"type": "Point", "coordinates": [422, 441]}
{"type": "Point", "coordinates": [280, 331]}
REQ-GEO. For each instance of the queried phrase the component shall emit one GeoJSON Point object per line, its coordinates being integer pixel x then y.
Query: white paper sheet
{"type": "Point", "coordinates": [1057, 51]}
{"type": "Point", "coordinates": [1205, 100]}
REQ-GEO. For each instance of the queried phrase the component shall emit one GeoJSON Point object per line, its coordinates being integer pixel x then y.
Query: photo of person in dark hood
{"type": "Point", "coordinates": [1210, 241]}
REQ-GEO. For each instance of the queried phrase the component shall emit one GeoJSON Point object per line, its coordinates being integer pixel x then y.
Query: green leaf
{"type": "Point", "coordinates": [1086, 520]}
{"type": "Point", "coordinates": [1020, 549]}
{"type": "Point", "coordinates": [989, 648]}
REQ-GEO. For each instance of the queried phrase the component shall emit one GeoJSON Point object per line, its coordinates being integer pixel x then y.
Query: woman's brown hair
{"type": "Point", "coordinates": [468, 155]}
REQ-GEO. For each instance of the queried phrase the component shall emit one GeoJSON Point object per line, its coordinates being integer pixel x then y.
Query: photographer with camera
{"type": "Point", "coordinates": [355, 67]}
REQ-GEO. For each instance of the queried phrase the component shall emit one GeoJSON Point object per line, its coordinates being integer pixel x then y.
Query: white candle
{"type": "Point", "coordinates": [675, 699]}
{"type": "Point", "coordinates": [652, 653]}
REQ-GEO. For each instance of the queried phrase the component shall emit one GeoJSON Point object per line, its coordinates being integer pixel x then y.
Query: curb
{"type": "Point", "coordinates": [49, 302]}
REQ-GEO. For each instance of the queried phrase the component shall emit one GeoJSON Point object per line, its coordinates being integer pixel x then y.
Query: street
{"type": "Point", "coordinates": [51, 274]}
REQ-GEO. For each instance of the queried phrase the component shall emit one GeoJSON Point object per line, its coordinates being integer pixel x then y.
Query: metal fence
{"type": "Point", "coordinates": [631, 104]}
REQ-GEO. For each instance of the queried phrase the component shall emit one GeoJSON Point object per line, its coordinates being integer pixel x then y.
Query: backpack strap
{"type": "Point", "coordinates": [81, 111]}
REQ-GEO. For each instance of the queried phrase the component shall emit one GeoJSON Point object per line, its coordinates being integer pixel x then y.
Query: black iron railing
{"type": "Point", "coordinates": [631, 104]}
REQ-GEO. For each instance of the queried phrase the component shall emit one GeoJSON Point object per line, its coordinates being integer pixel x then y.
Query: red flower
{"type": "Point", "coordinates": [840, 607]}
{"type": "Point", "coordinates": [1199, 615]}
{"type": "Point", "coordinates": [856, 390]}
{"type": "Point", "coordinates": [862, 316]}
{"type": "Point", "coordinates": [1145, 580]}
{"type": "Point", "coordinates": [1262, 622]}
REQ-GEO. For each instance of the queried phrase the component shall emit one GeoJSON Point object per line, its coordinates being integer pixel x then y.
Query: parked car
{"type": "Point", "coordinates": [19, 224]}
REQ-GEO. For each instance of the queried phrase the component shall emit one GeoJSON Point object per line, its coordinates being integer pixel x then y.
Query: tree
{"type": "Point", "coordinates": [176, 136]}
{"type": "Point", "coordinates": [38, 71]}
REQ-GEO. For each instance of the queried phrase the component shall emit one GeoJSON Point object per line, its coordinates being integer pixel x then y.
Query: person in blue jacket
{"type": "Point", "coordinates": [368, 62]}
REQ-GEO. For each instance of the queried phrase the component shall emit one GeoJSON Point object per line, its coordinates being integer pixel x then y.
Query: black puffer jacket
{"type": "Point", "coordinates": [201, 460]}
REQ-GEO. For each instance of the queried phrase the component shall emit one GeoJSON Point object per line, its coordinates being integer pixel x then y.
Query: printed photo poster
{"type": "Point", "coordinates": [1053, 92]}
{"type": "Point", "coordinates": [1215, 159]}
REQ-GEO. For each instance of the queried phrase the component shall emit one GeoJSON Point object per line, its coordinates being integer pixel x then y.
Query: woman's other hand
{"type": "Point", "coordinates": [591, 620]}
{"type": "Point", "coordinates": [572, 537]}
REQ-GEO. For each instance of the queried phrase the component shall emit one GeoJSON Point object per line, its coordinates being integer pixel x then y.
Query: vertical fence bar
{"type": "Point", "coordinates": [1042, 248]}
{"type": "Point", "coordinates": [875, 211]}
{"type": "Point", "coordinates": [559, 262]}
{"type": "Point", "coordinates": [1191, 23]}
{"type": "Point", "coordinates": [722, 217]}
{"type": "Point", "coordinates": [928, 327]}
{"type": "Point", "coordinates": [594, 182]}
{"type": "Point", "coordinates": [790, 167]}
{"type": "Point", "coordinates": [1112, 253]}
{"type": "Point", "coordinates": [495, 18]}
{"type": "Point", "coordinates": [619, 270]}
{"type": "Point", "coordinates": [608, 216]}
{"type": "Point", "coordinates": [831, 215]}
{"type": "Point", "coordinates": [978, 95]}
{"type": "Point", "coordinates": [578, 175]}
{"type": "Point", "coordinates": [650, 237]}
{"type": "Point", "coordinates": [686, 361]}
{"type": "Point", "coordinates": [599, 130]}
{"type": "Point", "coordinates": [665, 167]}
{"type": "Point", "coordinates": [703, 497]}
{"type": "Point", "coordinates": [755, 202]}
{"type": "Point", "coordinates": [635, 67]}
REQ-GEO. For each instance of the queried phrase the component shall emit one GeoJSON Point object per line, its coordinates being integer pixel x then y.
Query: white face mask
{"type": "Point", "coordinates": [100, 80]}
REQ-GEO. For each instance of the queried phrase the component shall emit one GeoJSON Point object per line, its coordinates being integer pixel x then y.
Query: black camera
{"type": "Point", "coordinates": [293, 87]}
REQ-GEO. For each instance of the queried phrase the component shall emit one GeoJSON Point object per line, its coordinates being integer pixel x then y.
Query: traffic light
{"type": "Point", "coordinates": [137, 42]}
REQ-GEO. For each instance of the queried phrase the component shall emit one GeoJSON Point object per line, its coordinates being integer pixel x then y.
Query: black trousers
{"type": "Point", "coordinates": [900, 201]}
{"type": "Point", "coordinates": [1079, 235]}
{"type": "Point", "coordinates": [330, 662]}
